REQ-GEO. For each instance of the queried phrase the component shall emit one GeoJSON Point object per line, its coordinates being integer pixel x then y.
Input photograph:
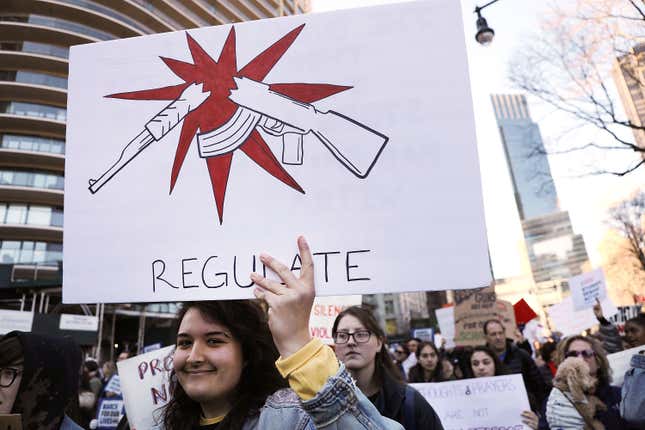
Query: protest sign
{"type": "Point", "coordinates": [425, 334]}
{"type": "Point", "coordinates": [523, 312]}
{"type": "Point", "coordinates": [477, 308]}
{"type": "Point", "coordinates": [306, 131]}
{"type": "Point", "coordinates": [324, 312]}
{"type": "Point", "coordinates": [79, 322]}
{"type": "Point", "coordinates": [110, 412]}
{"type": "Point", "coordinates": [113, 385]}
{"type": "Point", "coordinates": [480, 403]}
{"type": "Point", "coordinates": [15, 320]}
{"type": "Point", "coordinates": [446, 321]}
{"type": "Point", "coordinates": [10, 422]}
{"type": "Point", "coordinates": [566, 320]}
{"type": "Point", "coordinates": [586, 288]}
{"type": "Point", "coordinates": [144, 385]}
{"type": "Point", "coordinates": [619, 363]}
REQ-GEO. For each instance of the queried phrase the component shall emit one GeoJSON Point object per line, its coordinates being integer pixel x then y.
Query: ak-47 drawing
{"type": "Point", "coordinates": [353, 144]}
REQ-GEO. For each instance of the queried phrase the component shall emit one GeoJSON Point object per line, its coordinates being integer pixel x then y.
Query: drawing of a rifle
{"type": "Point", "coordinates": [159, 126]}
{"type": "Point", "coordinates": [353, 144]}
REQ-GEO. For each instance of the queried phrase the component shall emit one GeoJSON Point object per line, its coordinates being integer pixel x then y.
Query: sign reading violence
{"type": "Point", "coordinates": [190, 152]}
{"type": "Point", "coordinates": [144, 385]}
{"type": "Point", "coordinates": [481, 403]}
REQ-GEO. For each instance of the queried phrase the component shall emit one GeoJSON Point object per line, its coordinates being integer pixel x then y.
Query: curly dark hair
{"type": "Point", "coordinates": [248, 325]}
{"type": "Point", "coordinates": [383, 363]}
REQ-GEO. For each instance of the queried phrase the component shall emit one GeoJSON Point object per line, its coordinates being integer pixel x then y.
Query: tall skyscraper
{"type": "Point", "coordinates": [629, 75]}
{"type": "Point", "coordinates": [555, 252]}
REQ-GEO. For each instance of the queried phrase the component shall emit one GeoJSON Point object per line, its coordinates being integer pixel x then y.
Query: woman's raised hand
{"type": "Point", "coordinates": [289, 304]}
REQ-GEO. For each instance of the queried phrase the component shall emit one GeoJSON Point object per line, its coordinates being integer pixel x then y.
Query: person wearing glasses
{"type": "Point", "coordinates": [360, 345]}
{"type": "Point", "coordinates": [592, 352]}
{"type": "Point", "coordinates": [39, 378]}
{"type": "Point", "coordinates": [401, 353]}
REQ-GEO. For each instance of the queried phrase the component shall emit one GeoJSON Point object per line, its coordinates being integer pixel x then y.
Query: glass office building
{"type": "Point", "coordinates": [555, 252]}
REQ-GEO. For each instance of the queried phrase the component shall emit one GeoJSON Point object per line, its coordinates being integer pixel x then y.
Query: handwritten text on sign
{"type": "Point", "coordinates": [325, 311]}
{"type": "Point", "coordinates": [482, 403]}
{"type": "Point", "coordinates": [144, 383]}
{"type": "Point", "coordinates": [586, 288]}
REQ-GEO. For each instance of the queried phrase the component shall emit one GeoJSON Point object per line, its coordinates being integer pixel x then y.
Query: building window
{"type": "Point", "coordinates": [32, 179]}
{"type": "Point", "coordinates": [34, 110]}
{"type": "Point", "coordinates": [35, 78]}
{"type": "Point", "coordinates": [389, 307]}
{"type": "Point", "coordinates": [32, 143]}
{"type": "Point", "coordinates": [30, 252]}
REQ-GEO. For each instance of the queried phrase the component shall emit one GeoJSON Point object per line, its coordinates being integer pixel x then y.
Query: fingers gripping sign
{"type": "Point", "coordinates": [289, 304]}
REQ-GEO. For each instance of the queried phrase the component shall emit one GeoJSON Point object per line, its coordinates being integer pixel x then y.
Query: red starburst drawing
{"type": "Point", "coordinates": [225, 106]}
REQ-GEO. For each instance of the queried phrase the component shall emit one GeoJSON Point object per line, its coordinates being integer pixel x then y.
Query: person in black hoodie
{"type": "Point", "coordinates": [46, 370]}
{"type": "Point", "coordinates": [360, 345]}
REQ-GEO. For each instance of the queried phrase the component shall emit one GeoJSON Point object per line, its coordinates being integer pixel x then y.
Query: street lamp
{"type": "Point", "coordinates": [485, 34]}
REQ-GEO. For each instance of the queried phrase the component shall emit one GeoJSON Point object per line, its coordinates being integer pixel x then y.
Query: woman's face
{"type": "Point", "coordinates": [356, 356]}
{"type": "Point", "coordinates": [581, 348]}
{"type": "Point", "coordinates": [8, 394]}
{"type": "Point", "coordinates": [634, 334]}
{"type": "Point", "coordinates": [208, 361]}
{"type": "Point", "coordinates": [482, 364]}
{"type": "Point", "coordinates": [428, 358]}
{"type": "Point", "coordinates": [447, 368]}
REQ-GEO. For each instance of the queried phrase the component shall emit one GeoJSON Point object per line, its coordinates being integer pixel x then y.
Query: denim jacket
{"type": "Point", "coordinates": [339, 405]}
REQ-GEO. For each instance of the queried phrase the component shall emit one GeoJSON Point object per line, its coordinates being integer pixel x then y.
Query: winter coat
{"type": "Point", "coordinates": [49, 384]}
{"type": "Point", "coordinates": [390, 402]}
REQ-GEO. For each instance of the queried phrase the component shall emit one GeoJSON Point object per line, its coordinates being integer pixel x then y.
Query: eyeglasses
{"type": "Point", "coordinates": [7, 376]}
{"type": "Point", "coordinates": [360, 336]}
{"type": "Point", "coordinates": [399, 351]}
{"type": "Point", "coordinates": [587, 353]}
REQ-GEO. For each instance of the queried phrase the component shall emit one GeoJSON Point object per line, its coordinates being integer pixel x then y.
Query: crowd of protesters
{"type": "Point", "coordinates": [254, 365]}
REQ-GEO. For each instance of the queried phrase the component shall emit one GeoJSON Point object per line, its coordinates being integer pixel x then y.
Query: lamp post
{"type": "Point", "coordinates": [485, 34]}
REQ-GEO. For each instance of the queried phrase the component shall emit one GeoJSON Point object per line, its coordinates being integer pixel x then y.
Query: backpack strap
{"type": "Point", "coordinates": [408, 409]}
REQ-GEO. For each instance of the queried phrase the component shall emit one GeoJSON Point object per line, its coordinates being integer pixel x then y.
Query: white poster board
{"type": "Point", "coordinates": [186, 220]}
{"type": "Point", "coordinates": [586, 288]}
{"type": "Point", "coordinates": [15, 320]}
{"type": "Point", "coordinates": [144, 385]}
{"type": "Point", "coordinates": [109, 413]}
{"type": "Point", "coordinates": [446, 321]}
{"type": "Point", "coordinates": [79, 322]}
{"type": "Point", "coordinates": [619, 362]}
{"type": "Point", "coordinates": [479, 403]}
{"type": "Point", "coordinates": [568, 321]}
{"type": "Point", "coordinates": [324, 312]}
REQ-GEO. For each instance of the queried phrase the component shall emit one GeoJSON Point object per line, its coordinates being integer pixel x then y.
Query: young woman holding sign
{"type": "Point", "coordinates": [484, 363]}
{"type": "Point", "coordinates": [226, 375]}
{"type": "Point", "coordinates": [360, 345]}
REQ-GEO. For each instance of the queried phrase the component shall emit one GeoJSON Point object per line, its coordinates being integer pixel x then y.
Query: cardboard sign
{"type": "Point", "coordinates": [15, 320]}
{"type": "Point", "coordinates": [324, 313]}
{"type": "Point", "coordinates": [568, 321]}
{"type": "Point", "coordinates": [79, 322]}
{"type": "Point", "coordinates": [446, 321]}
{"type": "Point", "coordinates": [480, 403]}
{"type": "Point", "coordinates": [189, 153]}
{"type": "Point", "coordinates": [144, 384]}
{"type": "Point", "coordinates": [586, 288]}
{"type": "Point", "coordinates": [473, 311]}
{"type": "Point", "coordinates": [10, 422]}
{"type": "Point", "coordinates": [109, 413]}
{"type": "Point", "coordinates": [620, 363]}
